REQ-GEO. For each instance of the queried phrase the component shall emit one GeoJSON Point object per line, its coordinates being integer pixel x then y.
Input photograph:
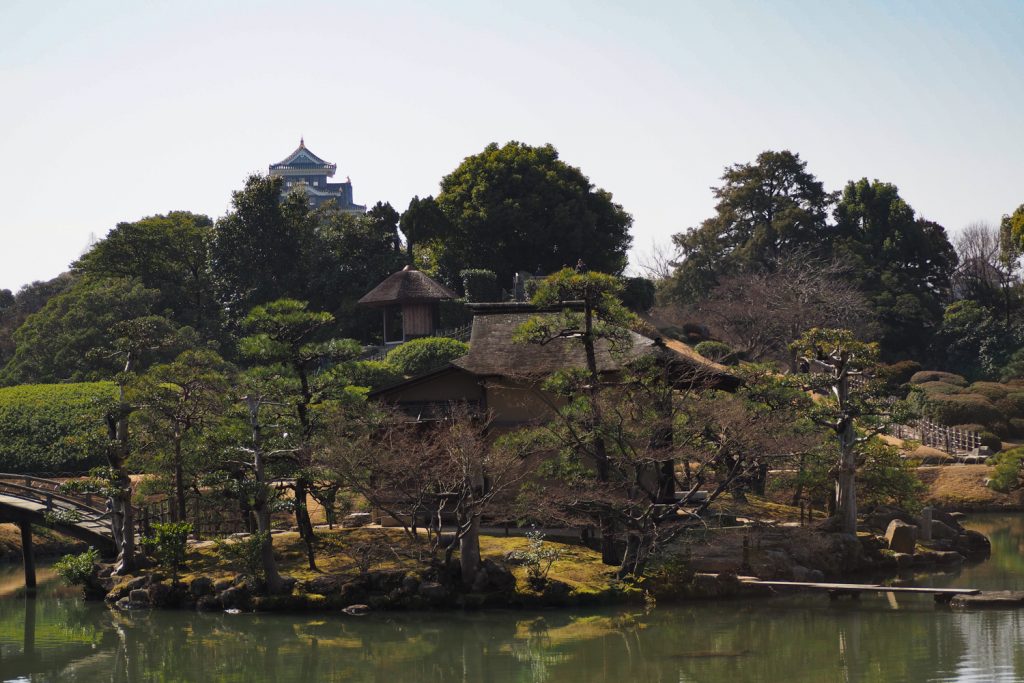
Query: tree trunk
{"type": "Point", "coordinates": [179, 483]}
{"type": "Point", "coordinates": [303, 521]}
{"type": "Point", "coordinates": [631, 558]}
{"type": "Point", "coordinates": [469, 551]}
{"type": "Point", "coordinates": [846, 484]}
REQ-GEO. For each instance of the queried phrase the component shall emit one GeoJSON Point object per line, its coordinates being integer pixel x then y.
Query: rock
{"type": "Point", "coordinates": [499, 577]}
{"type": "Point", "coordinates": [209, 603]}
{"type": "Point", "coordinates": [433, 592]}
{"type": "Point", "coordinates": [943, 530]}
{"type": "Point", "coordinates": [139, 595]}
{"type": "Point", "coordinates": [990, 599]}
{"type": "Point", "coordinates": [705, 586]}
{"type": "Point", "coordinates": [200, 586]}
{"type": "Point", "coordinates": [903, 560]}
{"type": "Point", "coordinates": [958, 516]}
{"type": "Point", "coordinates": [386, 580]}
{"type": "Point", "coordinates": [556, 592]}
{"type": "Point", "coordinates": [233, 610]}
{"type": "Point", "coordinates": [162, 595]}
{"type": "Point", "coordinates": [883, 515]}
{"type": "Point", "coordinates": [357, 610]}
{"type": "Point", "coordinates": [410, 584]}
{"type": "Point", "coordinates": [235, 597]}
{"type": "Point", "coordinates": [222, 585]}
{"type": "Point", "coordinates": [324, 585]}
{"type": "Point", "coordinates": [801, 573]}
{"type": "Point", "coordinates": [815, 576]}
{"type": "Point", "coordinates": [356, 519]}
{"type": "Point", "coordinates": [901, 537]}
{"type": "Point", "coordinates": [973, 545]}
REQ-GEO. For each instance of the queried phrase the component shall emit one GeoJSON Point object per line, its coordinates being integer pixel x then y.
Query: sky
{"type": "Point", "coordinates": [112, 111]}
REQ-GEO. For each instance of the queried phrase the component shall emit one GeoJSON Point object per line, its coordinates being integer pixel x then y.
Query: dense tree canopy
{"type": "Point", "coordinates": [261, 249]}
{"type": "Point", "coordinates": [904, 264]}
{"type": "Point", "coordinates": [165, 253]}
{"type": "Point", "coordinates": [53, 344]}
{"type": "Point", "coordinates": [519, 207]}
{"type": "Point", "coordinates": [764, 209]}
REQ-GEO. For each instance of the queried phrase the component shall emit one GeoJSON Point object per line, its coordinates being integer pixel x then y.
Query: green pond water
{"type": "Point", "coordinates": [57, 637]}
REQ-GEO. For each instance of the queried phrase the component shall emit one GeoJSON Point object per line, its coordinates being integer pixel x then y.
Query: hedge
{"type": "Point", "coordinates": [1017, 427]}
{"type": "Point", "coordinates": [899, 373]}
{"type": "Point", "coordinates": [993, 391]}
{"type": "Point", "coordinates": [54, 427]}
{"type": "Point", "coordinates": [480, 285]}
{"type": "Point", "coordinates": [963, 408]}
{"type": "Point", "coordinates": [373, 374]}
{"type": "Point", "coordinates": [420, 355]}
{"type": "Point", "coordinates": [1012, 405]}
{"type": "Point", "coordinates": [1006, 473]}
{"type": "Point", "coordinates": [938, 388]}
{"type": "Point", "coordinates": [938, 376]}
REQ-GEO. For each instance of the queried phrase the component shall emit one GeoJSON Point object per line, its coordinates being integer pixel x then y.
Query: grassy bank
{"type": "Point", "coordinates": [962, 487]}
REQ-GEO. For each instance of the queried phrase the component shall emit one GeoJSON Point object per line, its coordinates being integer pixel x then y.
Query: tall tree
{"type": "Point", "coordinates": [834, 358]}
{"type": "Point", "coordinates": [421, 222]}
{"type": "Point", "coordinates": [519, 207]}
{"type": "Point", "coordinates": [903, 264]}
{"type": "Point", "coordinates": [176, 401]}
{"type": "Point", "coordinates": [283, 338]}
{"type": "Point", "coordinates": [261, 250]}
{"type": "Point", "coordinates": [764, 209]}
{"type": "Point", "coordinates": [167, 253]}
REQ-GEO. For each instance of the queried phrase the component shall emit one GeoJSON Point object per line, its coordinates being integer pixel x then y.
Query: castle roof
{"type": "Point", "coordinates": [407, 286]}
{"type": "Point", "coordinates": [303, 158]}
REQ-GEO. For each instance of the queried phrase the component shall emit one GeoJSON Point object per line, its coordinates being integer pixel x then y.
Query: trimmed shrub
{"type": "Point", "coordinates": [898, 374]}
{"type": "Point", "coordinates": [1012, 405]}
{"type": "Point", "coordinates": [991, 440]}
{"type": "Point", "coordinates": [480, 285]}
{"type": "Point", "coordinates": [963, 409]}
{"type": "Point", "coordinates": [373, 374]}
{"type": "Point", "coordinates": [937, 376]}
{"type": "Point", "coordinates": [938, 388]}
{"type": "Point", "coordinates": [993, 391]}
{"type": "Point", "coordinates": [713, 350]}
{"type": "Point", "coordinates": [1006, 471]}
{"type": "Point", "coordinates": [54, 427]}
{"type": "Point", "coordinates": [1017, 427]}
{"type": "Point", "coordinates": [169, 544]}
{"type": "Point", "coordinates": [695, 332]}
{"type": "Point", "coordinates": [420, 355]}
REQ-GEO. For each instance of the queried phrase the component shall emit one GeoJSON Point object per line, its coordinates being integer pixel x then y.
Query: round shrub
{"type": "Point", "coordinates": [373, 374]}
{"type": "Point", "coordinates": [421, 355]}
{"type": "Point", "coordinates": [1012, 405]}
{"type": "Point", "coordinates": [937, 376]}
{"type": "Point", "coordinates": [695, 332]}
{"type": "Point", "coordinates": [938, 388]}
{"type": "Point", "coordinates": [958, 409]}
{"type": "Point", "coordinates": [897, 374]}
{"type": "Point", "coordinates": [1017, 427]}
{"type": "Point", "coordinates": [713, 350]}
{"type": "Point", "coordinates": [993, 391]}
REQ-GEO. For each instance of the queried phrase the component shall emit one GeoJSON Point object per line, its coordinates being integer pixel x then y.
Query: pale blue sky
{"type": "Point", "coordinates": [114, 111]}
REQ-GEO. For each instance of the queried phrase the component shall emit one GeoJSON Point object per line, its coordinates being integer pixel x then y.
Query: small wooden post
{"type": "Point", "coordinates": [28, 557]}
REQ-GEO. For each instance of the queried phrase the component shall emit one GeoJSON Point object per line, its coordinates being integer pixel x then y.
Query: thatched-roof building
{"type": "Point", "coordinates": [409, 300]}
{"type": "Point", "coordinates": [503, 377]}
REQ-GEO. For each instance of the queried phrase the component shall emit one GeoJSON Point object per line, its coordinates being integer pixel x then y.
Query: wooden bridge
{"type": "Point", "coordinates": [836, 590]}
{"type": "Point", "coordinates": [27, 500]}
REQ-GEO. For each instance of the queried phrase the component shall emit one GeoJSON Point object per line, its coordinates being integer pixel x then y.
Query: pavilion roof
{"type": "Point", "coordinates": [407, 286]}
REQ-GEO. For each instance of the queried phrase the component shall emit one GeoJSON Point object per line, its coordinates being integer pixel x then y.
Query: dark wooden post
{"type": "Point", "coordinates": [26, 553]}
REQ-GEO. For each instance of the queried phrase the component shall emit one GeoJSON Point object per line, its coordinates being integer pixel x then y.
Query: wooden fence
{"type": "Point", "coordinates": [948, 439]}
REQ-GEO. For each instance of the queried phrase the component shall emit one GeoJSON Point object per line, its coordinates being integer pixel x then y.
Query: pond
{"type": "Point", "coordinates": [805, 637]}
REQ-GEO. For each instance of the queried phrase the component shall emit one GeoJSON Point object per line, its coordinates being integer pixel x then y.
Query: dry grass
{"type": "Point", "coordinates": [962, 487]}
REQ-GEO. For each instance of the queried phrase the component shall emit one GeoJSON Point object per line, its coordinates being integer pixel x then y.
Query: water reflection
{"type": "Point", "coordinates": [56, 637]}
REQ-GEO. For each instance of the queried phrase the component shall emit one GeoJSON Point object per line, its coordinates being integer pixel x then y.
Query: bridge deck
{"type": "Point", "coordinates": [853, 588]}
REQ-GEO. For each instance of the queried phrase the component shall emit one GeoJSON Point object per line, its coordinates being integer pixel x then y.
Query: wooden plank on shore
{"type": "Point", "coordinates": [858, 587]}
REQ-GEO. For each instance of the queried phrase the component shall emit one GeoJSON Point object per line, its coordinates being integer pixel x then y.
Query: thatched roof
{"type": "Point", "coordinates": [492, 351]}
{"type": "Point", "coordinates": [407, 286]}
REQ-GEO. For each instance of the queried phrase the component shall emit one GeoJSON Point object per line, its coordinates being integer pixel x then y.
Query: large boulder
{"type": "Point", "coordinates": [901, 537]}
{"type": "Point", "coordinates": [200, 586]}
{"type": "Point", "coordinates": [941, 530]}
